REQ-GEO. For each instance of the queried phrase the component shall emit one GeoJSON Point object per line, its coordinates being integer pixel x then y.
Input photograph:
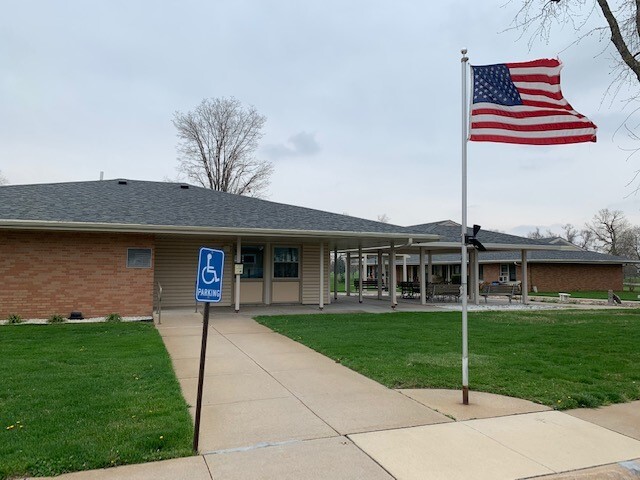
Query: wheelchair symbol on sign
{"type": "Point", "coordinates": [209, 274]}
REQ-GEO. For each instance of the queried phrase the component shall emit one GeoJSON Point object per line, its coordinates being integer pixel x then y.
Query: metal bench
{"type": "Point", "coordinates": [409, 289]}
{"type": "Point", "coordinates": [366, 284]}
{"type": "Point", "coordinates": [498, 291]}
{"type": "Point", "coordinates": [445, 290]}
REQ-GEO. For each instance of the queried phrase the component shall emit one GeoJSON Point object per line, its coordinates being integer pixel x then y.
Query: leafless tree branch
{"type": "Point", "coordinates": [217, 143]}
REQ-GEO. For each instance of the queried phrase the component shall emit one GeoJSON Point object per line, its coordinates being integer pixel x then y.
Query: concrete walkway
{"type": "Point", "coordinates": [275, 409]}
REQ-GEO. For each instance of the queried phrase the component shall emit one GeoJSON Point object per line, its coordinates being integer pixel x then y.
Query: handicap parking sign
{"type": "Point", "coordinates": [209, 279]}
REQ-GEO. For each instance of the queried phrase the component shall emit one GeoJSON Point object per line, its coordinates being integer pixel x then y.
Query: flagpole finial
{"type": "Point", "coordinates": [464, 55]}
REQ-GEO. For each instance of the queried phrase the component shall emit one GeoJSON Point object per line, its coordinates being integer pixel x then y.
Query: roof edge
{"type": "Point", "coordinates": [194, 230]}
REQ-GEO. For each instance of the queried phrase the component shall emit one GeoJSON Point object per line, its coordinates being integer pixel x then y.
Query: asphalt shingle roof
{"type": "Point", "coordinates": [533, 256]}
{"type": "Point", "coordinates": [449, 231]}
{"type": "Point", "coordinates": [167, 204]}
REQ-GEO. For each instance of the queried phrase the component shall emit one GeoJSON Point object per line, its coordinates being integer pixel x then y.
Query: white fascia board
{"type": "Point", "coordinates": [583, 262]}
{"type": "Point", "coordinates": [193, 230]}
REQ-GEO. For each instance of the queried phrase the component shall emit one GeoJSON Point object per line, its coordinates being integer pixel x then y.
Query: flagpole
{"type": "Point", "coordinates": [463, 249]}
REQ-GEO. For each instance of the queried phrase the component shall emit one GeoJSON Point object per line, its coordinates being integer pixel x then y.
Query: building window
{"type": "Point", "coordinates": [508, 272]}
{"type": "Point", "coordinates": [252, 259]}
{"type": "Point", "coordinates": [285, 262]}
{"type": "Point", "coordinates": [138, 258]}
{"type": "Point", "coordinates": [480, 272]}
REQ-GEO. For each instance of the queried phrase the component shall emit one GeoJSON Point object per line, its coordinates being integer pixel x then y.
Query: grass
{"type": "Point", "coordinates": [78, 397]}
{"type": "Point", "coordinates": [563, 359]}
{"type": "Point", "coordinates": [601, 295]}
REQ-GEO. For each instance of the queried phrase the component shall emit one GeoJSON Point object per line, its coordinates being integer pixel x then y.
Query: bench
{"type": "Point", "coordinates": [409, 289]}
{"type": "Point", "coordinates": [445, 290]}
{"type": "Point", "coordinates": [498, 291]}
{"type": "Point", "coordinates": [366, 284]}
{"type": "Point", "coordinates": [564, 297]}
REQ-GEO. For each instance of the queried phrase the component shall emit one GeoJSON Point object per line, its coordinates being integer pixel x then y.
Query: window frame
{"type": "Point", "coordinates": [255, 255]}
{"type": "Point", "coordinates": [149, 249]}
{"type": "Point", "coordinates": [273, 263]}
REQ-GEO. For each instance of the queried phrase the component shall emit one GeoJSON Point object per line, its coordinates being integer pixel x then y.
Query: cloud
{"type": "Point", "coordinates": [298, 145]}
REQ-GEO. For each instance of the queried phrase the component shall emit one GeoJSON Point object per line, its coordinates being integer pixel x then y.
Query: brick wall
{"type": "Point", "coordinates": [556, 277]}
{"type": "Point", "coordinates": [561, 277]}
{"type": "Point", "coordinates": [46, 273]}
{"type": "Point", "coordinates": [490, 272]}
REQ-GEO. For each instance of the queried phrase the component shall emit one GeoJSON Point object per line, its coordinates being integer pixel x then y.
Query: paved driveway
{"type": "Point", "coordinates": [275, 406]}
{"type": "Point", "coordinates": [274, 409]}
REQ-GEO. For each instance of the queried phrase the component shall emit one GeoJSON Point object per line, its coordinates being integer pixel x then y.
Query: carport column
{"type": "Point", "coordinates": [404, 268]}
{"type": "Point", "coordinates": [321, 302]}
{"type": "Point", "coordinates": [476, 277]}
{"type": "Point", "coordinates": [360, 274]}
{"type": "Point", "coordinates": [238, 260]}
{"type": "Point", "coordinates": [392, 275]}
{"type": "Point", "coordinates": [423, 287]}
{"type": "Point", "coordinates": [524, 285]}
{"type": "Point", "coordinates": [365, 268]}
{"type": "Point", "coordinates": [380, 270]}
{"type": "Point", "coordinates": [347, 275]}
{"type": "Point", "coordinates": [267, 280]}
{"type": "Point", "coordinates": [335, 273]}
{"type": "Point", "coordinates": [472, 275]}
{"type": "Point", "coordinates": [429, 268]}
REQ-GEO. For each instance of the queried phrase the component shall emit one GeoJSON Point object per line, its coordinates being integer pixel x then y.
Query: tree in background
{"type": "Point", "coordinates": [582, 238]}
{"type": "Point", "coordinates": [608, 228]}
{"type": "Point", "coordinates": [620, 25]}
{"type": "Point", "coordinates": [3, 179]}
{"type": "Point", "coordinates": [383, 218]}
{"type": "Point", "coordinates": [537, 234]}
{"type": "Point", "coordinates": [217, 145]}
{"type": "Point", "coordinates": [630, 243]}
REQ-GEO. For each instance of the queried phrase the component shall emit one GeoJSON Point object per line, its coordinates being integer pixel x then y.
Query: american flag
{"type": "Point", "coordinates": [523, 103]}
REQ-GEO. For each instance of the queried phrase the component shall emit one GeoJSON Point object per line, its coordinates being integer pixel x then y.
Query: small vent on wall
{"type": "Point", "coordinates": [122, 182]}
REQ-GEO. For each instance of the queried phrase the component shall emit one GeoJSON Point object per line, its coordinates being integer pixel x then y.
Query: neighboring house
{"type": "Point", "coordinates": [571, 268]}
{"type": "Point", "coordinates": [104, 246]}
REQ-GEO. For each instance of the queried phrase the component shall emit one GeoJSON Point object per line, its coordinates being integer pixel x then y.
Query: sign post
{"type": "Point", "coordinates": [208, 290]}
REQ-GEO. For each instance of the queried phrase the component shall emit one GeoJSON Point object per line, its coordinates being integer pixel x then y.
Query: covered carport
{"type": "Point", "coordinates": [385, 259]}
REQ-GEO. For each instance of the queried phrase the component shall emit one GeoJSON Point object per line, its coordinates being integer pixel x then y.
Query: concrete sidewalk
{"type": "Point", "coordinates": [275, 409]}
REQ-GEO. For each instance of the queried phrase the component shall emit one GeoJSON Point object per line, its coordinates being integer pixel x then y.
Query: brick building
{"type": "Point", "coordinates": [567, 268]}
{"type": "Point", "coordinates": [106, 246]}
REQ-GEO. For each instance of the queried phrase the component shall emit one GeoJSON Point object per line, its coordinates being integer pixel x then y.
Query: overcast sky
{"type": "Point", "coordinates": [362, 100]}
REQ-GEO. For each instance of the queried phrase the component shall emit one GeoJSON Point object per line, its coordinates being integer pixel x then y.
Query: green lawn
{"type": "Point", "coordinates": [77, 397]}
{"type": "Point", "coordinates": [563, 359]}
{"type": "Point", "coordinates": [625, 295]}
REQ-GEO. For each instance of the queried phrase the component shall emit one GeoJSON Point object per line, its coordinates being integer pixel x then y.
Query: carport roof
{"type": "Point", "coordinates": [449, 231]}
{"type": "Point", "coordinates": [533, 256]}
{"type": "Point", "coordinates": [133, 205]}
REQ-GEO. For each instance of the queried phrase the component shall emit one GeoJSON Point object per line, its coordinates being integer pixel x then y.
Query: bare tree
{"type": "Point", "coordinates": [535, 234]}
{"type": "Point", "coordinates": [585, 240]}
{"type": "Point", "coordinates": [608, 228]}
{"type": "Point", "coordinates": [383, 218]}
{"type": "Point", "coordinates": [630, 243]}
{"type": "Point", "coordinates": [569, 233]}
{"type": "Point", "coordinates": [217, 143]}
{"type": "Point", "coordinates": [3, 179]}
{"type": "Point", "coordinates": [619, 24]}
